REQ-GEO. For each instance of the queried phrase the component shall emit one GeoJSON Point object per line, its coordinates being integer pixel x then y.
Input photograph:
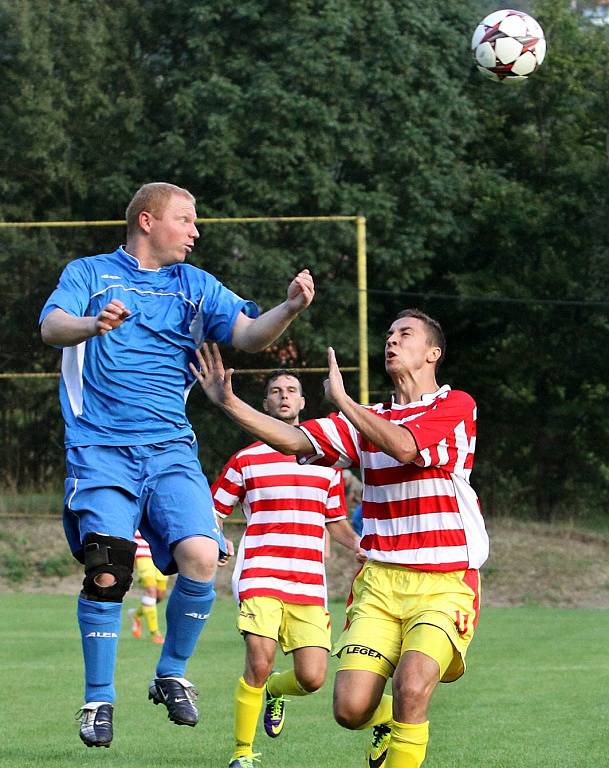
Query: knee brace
{"type": "Point", "coordinates": [107, 554]}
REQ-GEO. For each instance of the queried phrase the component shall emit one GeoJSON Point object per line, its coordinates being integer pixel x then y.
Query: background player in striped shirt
{"type": "Point", "coordinates": [154, 584]}
{"type": "Point", "coordinates": [415, 603]}
{"type": "Point", "coordinates": [279, 578]}
{"type": "Point", "coordinates": [128, 323]}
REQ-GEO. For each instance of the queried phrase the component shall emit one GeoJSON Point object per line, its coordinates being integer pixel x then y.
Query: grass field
{"type": "Point", "coordinates": [536, 694]}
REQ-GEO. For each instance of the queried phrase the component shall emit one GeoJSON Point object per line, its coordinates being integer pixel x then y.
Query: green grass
{"type": "Point", "coordinates": [535, 695]}
{"type": "Point", "coordinates": [33, 503]}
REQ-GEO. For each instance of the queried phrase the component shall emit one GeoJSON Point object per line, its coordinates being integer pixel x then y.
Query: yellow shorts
{"type": "Point", "coordinates": [291, 624]}
{"type": "Point", "coordinates": [387, 601]}
{"type": "Point", "coordinates": [148, 575]}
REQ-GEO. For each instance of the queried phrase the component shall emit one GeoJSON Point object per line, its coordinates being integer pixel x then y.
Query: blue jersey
{"type": "Point", "coordinates": [129, 386]}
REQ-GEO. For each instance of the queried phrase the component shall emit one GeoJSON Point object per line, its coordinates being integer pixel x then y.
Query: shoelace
{"type": "Point", "coordinates": [79, 713]}
{"type": "Point", "coordinates": [276, 703]}
{"type": "Point", "coordinates": [192, 693]}
{"type": "Point", "coordinates": [378, 733]}
{"type": "Point", "coordinates": [248, 762]}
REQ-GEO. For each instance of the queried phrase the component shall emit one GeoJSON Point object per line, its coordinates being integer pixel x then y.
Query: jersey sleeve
{"type": "Point", "coordinates": [73, 292]}
{"type": "Point", "coordinates": [336, 505]}
{"type": "Point", "coordinates": [448, 423]}
{"type": "Point", "coordinates": [229, 488]}
{"type": "Point", "coordinates": [217, 312]}
{"type": "Point", "coordinates": [335, 440]}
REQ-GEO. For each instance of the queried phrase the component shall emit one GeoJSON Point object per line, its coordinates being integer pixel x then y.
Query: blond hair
{"type": "Point", "coordinates": [153, 198]}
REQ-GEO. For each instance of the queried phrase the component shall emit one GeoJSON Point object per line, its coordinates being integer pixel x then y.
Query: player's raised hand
{"type": "Point", "coordinates": [334, 387]}
{"type": "Point", "coordinates": [111, 316]}
{"type": "Point", "coordinates": [301, 291]}
{"type": "Point", "coordinates": [211, 375]}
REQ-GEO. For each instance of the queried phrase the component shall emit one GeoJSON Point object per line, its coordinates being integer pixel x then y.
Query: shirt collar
{"type": "Point", "coordinates": [426, 398]}
{"type": "Point", "coordinates": [134, 262]}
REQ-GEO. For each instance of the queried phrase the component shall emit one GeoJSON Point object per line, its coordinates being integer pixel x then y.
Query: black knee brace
{"type": "Point", "coordinates": [107, 554]}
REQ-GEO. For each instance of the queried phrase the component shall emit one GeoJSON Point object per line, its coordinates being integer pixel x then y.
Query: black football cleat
{"type": "Point", "coordinates": [96, 723]}
{"type": "Point", "coordinates": [179, 696]}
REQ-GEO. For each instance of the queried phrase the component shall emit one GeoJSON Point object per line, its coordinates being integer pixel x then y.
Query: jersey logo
{"type": "Point", "coordinates": [363, 651]}
{"type": "Point", "coordinates": [111, 277]}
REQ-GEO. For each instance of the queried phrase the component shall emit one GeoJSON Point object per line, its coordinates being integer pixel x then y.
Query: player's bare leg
{"type": "Point", "coordinates": [307, 676]}
{"type": "Point", "coordinates": [197, 558]}
{"type": "Point", "coordinates": [357, 695]}
{"type": "Point", "coordinates": [359, 703]}
{"type": "Point", "coordinates": [310, 668]}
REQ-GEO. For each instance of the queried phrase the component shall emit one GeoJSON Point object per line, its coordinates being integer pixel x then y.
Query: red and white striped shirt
{"type": "Point", "coordinates": [424, 515]}
{"type": "Point", "coordinates": [286, 507]}
{"type": "Point", "coordinates": [143, 548]}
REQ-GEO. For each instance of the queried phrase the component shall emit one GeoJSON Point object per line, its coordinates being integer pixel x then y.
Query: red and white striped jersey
{"type": "Point", "coordinates": [286, 507]}
{"type": "Point", "coordinates": [424, 515]}
{"type": "Point", "coordinates": [143, 548]}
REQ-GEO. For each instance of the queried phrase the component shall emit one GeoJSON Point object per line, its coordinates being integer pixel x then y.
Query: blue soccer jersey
{"type": "Point", "coordinates": [129, 386]}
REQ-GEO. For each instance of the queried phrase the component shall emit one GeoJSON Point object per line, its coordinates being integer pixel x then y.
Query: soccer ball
{"type": "Point", "coordinates": [508, 45]}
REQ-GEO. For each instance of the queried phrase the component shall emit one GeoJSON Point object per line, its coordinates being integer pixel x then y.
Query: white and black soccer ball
{"type": "Point", "coordinates": [508, 45]}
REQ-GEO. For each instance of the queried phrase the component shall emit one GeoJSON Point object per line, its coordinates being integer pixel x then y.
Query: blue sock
{"type": "Point", "coordinates": [188, 607]}
{"type": "Point", "coordinates": [100, 625]}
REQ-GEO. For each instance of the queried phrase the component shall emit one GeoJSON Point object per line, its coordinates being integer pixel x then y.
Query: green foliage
{"type": "Point", "coordinates": [13, 567]}
{"type": "Point", "coordinates": [471, 189]}
{"type": "Point", "coordinates": [57, 565]}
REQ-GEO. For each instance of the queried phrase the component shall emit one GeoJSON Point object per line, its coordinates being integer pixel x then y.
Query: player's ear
{"type": "Point", "coordinates": [145, 220]}
{"type": "Point", "coordinates": [265, 406]}
{"type": "Point", "coordinates": [434, 354]}
{"type": "Point", "coordinates": [302, 404]}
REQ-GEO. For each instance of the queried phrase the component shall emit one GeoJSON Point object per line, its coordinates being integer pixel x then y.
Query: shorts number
{"type": "Point", "coordinates": [461, 622]}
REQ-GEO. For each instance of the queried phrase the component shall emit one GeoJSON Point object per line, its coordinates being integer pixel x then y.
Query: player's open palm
{"type": "Point", "coordinates": [334, 387]}
{"type": "Point", "coordinates": [211, 374]}
{"type": "Point", "coordinates": [301, 291]}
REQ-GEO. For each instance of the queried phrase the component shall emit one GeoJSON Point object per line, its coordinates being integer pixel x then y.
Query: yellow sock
{"type": "Point", "coordinates": [408, 745]}
{"type": "Point", "coordinates": [248, 703]}
{"type": "Point", "coordinates": [151, 616]}
{"type": "Point", "coordinates": [382, 714]}
{"type": "Point", "coordinates": [285, 683]}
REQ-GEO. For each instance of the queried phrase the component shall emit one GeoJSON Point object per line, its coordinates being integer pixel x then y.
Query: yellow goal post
{"type": "Point", "coordinates": [362, 287]}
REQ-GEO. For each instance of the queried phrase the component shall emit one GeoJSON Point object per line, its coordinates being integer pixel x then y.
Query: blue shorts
{"type": "Point", "coordinates": [159, 488]}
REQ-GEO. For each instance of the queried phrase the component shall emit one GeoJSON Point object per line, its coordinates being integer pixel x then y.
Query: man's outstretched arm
{"type": "Point", "coordinates": [216, 382]}
{"type": "Point", "coordinates": [252, 335]}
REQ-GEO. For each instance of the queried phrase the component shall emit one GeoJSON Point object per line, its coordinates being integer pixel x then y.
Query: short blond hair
{"type": "Point", "coordinates": [153, 198]}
